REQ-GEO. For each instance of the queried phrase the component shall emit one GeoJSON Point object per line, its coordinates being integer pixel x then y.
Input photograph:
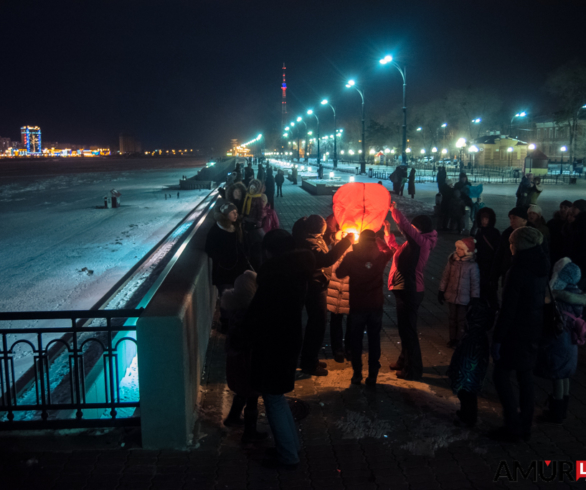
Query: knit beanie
{"type": "Point", "coordinates": [525, 238]}
{"type": "Point", "coordinates": [534, 208]}
{"type": "Point", "coordinates": [570, 275]}
{"type": "Point", "coordinates": [367, 236]}
{"type": "Point", "coordinates": [315, 225]}
{"type": "Point", "coordinates": [226, 208]}
{"type": "Point", "coordinates": [423, 223]}
{"type": "Point", "coordinates": [519, 211]}
{"type": "Point", "coordinates": [467, 243]}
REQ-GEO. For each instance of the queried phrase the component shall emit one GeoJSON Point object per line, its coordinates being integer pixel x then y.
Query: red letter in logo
{"type": "Point", "coordinates": [580, 469]}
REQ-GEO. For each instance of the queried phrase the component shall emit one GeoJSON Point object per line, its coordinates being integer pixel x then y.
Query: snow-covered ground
{"type": "Point", "coordinates": [60, 249]}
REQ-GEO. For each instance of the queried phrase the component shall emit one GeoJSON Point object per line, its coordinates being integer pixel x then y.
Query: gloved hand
{"type": "Point", "coordinates": [495, 351]}
{"type": "Point", "coordinates": [441, 297]}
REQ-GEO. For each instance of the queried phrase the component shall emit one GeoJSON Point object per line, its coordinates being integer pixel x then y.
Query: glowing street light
{"type": "Point", "coordinates": [563, 149]}
{"type": "Point", "coordinates": [352, 84]}
{"type": "Point", "coordinates": [519, 114]}
{"type": "Point", "coordinates": [311, 113]}
{"type": "Point", "coordinates": [403, 72]}
{"type": "Point", "coordinates": [531, 146]}
{"type": "Point", "coordinates": [325, 102]}
{"type": "Point", "coordinates": [476, 121]}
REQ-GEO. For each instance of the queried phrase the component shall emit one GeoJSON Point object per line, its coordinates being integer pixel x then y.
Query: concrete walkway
{"type": "Point", "coordinates": [398, 436]}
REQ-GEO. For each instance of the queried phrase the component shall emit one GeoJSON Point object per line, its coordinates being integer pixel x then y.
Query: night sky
{"type": "Point", "coordinates": [183, 73]}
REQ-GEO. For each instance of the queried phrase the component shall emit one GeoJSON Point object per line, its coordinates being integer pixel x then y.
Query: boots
{"type": "Point", "coordinates": [372, 375]}
{"type": "Point", "coordinates": [233, 419]}
{"type": "Point", "coordinates": [250, 433]}
{"type": "Point", "coordinates": [555, 414]}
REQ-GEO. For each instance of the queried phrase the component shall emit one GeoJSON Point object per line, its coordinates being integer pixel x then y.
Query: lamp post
{"type": "Point", "coordinates": [325, 102]}
{"type": "Point", "coordinates": [403, 72]}
{"type": "Point", "coordinates": [300, 119]}
{"type": "Point", "coordinates": [311, 113]}
{"type": "Point", "coordinates": [519, 114]}
{"type": "Point", "coordinates": [563, 149]}
{"type": "Point", "coordinates": [510, 152]}
{"type": "Point", "coordinates": [531, 147]}
{"type": "Point", "coordinates": [461, 143]}
{"type": "Point", "coordinates": [352, 84]}
{"type": "Point", "coordinates": [445, 125]}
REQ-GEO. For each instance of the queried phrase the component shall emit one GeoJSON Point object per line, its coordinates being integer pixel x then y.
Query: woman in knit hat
{"type": "Point", "coordinates": [518, 331]}
{"type": "Point", "coordinates": [558, 354]}
{"type": "Point", "coordinates": [459, 285]}
{"type": "Point", "coordinates": [535, 217]}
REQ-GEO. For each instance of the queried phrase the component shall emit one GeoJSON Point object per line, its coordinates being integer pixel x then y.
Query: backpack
{"type": "Point", "coordinates": [577, 329]}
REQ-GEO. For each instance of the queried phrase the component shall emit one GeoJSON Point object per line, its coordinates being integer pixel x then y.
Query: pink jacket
{"type": "Point", "coordinates": [410, 257]}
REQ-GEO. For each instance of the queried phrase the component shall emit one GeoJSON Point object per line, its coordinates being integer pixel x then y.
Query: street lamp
{"type": "Point", "coordinates": [403, 72]}
{"type": "Point", "coordinates": [473, 149]}
{"type": "Point", "coordinates": [519, 114]}
{"type": "Point", "coordinates": [444, 125]}
{"type": "Point", "coordinates": [563, 149]}
{"type": "Point", "coordinates": [510, 151]}
{"type": "Point", "coordinates": [300, 119]}
{"type": "Point", "coordinates": [311, 113]}
{"type": "Point", "coordinates": [352, 84]}
{"type": "Point", "coordinates": [325, 102]}
{"type": "Point", "coordinates": [461, 143]}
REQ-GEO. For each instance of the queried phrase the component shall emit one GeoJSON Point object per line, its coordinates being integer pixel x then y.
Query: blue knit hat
{"type": "Point", "coordinates": [569, 276]}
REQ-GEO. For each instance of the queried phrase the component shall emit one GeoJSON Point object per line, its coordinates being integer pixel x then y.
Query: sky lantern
{"type": "Point", "coordinates": [359, 206]}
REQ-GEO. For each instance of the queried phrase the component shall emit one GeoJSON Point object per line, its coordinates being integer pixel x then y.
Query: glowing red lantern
{"type": "Point", "coordinates": [359, 207]}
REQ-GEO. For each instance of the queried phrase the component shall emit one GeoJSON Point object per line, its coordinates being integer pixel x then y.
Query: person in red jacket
{"type": "Point", "coordinates": [365, 266]}
{"type": "Point", "coordinates": [406, 282]}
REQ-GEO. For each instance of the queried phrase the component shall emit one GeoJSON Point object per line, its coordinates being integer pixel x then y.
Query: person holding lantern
{"type": "Point", "coordinates": [406, 282]}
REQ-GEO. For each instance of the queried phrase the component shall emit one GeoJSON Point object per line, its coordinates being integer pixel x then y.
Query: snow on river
{"type": "Point", "coordinates": [60, 249]}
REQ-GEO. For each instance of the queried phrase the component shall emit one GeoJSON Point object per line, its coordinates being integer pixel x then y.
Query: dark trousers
{"type": "Point", "coordinates": [468, 406]}
{"type": "Point", "coordinates": [340, 344]}
{"type": "Point", "coordinates": [317, 318]}
{"type": "Point", "coordinates": [516, 422]}
{"type": "Point", "coordinates": [407, 306]}
{"type": "Point", "coordinates": [457, 320]}
{"type": "Point", "coordinates": [271, 199]}
{"type": "Point", "coordinates": [279, 190]}
{"type": "Point", "coordinates": [371, 320]}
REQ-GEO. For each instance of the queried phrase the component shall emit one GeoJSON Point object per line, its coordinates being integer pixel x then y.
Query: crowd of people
{"type": "Point", "coordinates": [267, 276]}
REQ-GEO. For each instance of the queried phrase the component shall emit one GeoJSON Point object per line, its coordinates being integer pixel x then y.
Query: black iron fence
{"type": "Point", "coordinates": [64, 361]}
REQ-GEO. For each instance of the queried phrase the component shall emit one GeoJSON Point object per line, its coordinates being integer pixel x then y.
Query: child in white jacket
{"type": "Point", "coordinates": [460, 284]}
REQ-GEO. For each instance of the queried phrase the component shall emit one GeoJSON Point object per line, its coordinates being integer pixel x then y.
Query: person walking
{"type": "Point", "coordinates": [235, 303]}
{"type": "Point", "coordinates": [248, 174]}
{"type": "Point", "coordinates": [411, 186]}
{"type": "Point", "coordinates": [558, 352]}
{"type": "Point", "coordinates": [406, 282]}
{"type": "Point", "coordinates": [518, 331]}
{"type": "Point", "coordinates": [273, 329]}
{"type": "Point", "coordinates": [469, 364]}
{"type": "Point", "coordinates": [270, 187]}
{"type": "Point", "coordinates": [309, 236]}
{"type": "Point", "coordinates": [459, 286]}
{"type": "Point", "coordinates": [487, 241]}
{"type": "Point", "coordinates": [365, 266]}
{"type": "Point", "coordinates": [253, 213]}
{"type": "Point", "coordinates": [279, 180]}
{"type": "Point", "coordinates": [261, 173]}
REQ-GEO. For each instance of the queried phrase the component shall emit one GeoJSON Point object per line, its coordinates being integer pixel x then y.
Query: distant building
{"type": "Point", "coordinates": [549, 137]}
{"type": "Point", "coordinates": [129, 144]}
{"type": "Point", "coordinates": [500, 151]}
{"type": "Point", "coordinates": [4, 144]}
{"type": "Point", "coordinates": [31, 139]}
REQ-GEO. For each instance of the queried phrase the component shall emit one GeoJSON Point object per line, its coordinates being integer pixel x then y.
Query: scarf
{"type": "Point", "coordinates": [248, 203]}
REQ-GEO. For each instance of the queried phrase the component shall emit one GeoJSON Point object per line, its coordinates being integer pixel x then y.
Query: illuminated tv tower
{"type": "Point", "coordinates": [284, 101]}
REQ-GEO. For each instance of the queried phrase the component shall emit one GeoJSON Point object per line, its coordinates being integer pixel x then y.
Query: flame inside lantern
{"type": "Point", "coordinates": [359, 207]}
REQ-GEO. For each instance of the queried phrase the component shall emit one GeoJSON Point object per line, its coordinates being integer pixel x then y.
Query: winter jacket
{"type": "Point", "coordinates": [273, 323]}
{"type": "Point", "coordinates": [227, 253]}
{"type": "Point", "coordinates": [523, 192]}
{"type": "Point", "coordinates": [411, 186]}
{"type": "Point", "coordinates": [557, 237]}
{"type": "Point", "coordinates": [254, 218]}
{"type": "Point", "coordinates": [457, 208]}
{"type": "Point", "coordinates": [470, 361]}
{"type": "Point", "coordinates": [410, 257]}
{"type": "Point", "coordinates": [331, 229]}
{"type": "Point", "coordinates": [460, 281]}
{"type": "Point", "coordinates": [502, 258]}
{"type": "Point", "coordinates": [576, 247]}
{"type": "Point", "coordinates": [280, 178]}
{"type": "Point", "coordinates": [534, 193]}
{"type": "Point", "coordinates": [447, 193]}
{"type": "Point", "coordinates": [520, 321]}
{"type": "Point", "coordinates": [270, 183]}
{"type": "Point", "coordinates": [248, 175]}
{"type": "Point", "coordinates": [271, 220]}
{"type": "Point", "coordinates": [324, 258]}
{"type": "Point", "coordinates": [558, 356]}
{"type": "Point", "coordinates": [339, 290]}
{"type": "Point", "coordinates": [487, 243]}
{"type": "Point", "coordinates": [230, 195]}
{"type": "Point", "coordinates": [365, 266]}
{"type": "Point", "coordinates": [463, 187]}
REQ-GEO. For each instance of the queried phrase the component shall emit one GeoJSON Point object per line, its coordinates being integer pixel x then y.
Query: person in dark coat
{"type": "Point", "coordinates": [518, 331]}
{"type": "Point", "coordinates": [522, 193]}
{"type": "Point", "coordinates": [462, 185]}
{"type": "Point", "coordinates": [411, 186]}
{"type": "Point", "coordinates": [487, 242]}
{"type": "Point", "coordinates": [406, 282]}
{"type": "Point", "coordinates": [294, 174]}
{"type": "Point", "coordinates": [261, 173]}
{"type": "Point", "coordinates": [236, 194]}
{"type": "Point", "coordinates": [248, 174]}
{"type": "Point", "coordinates": [441, 177]}
{"type": "Point", "coordinates": [470, 361]}
{"type": "Point", "coordinates": [365, 266]}
{"type": "Point", "coordinates": [447, 192]}
{"type": "Point", "coordinates": [558, 354]}
{"type": "Point", "coordinates": [320, 171]}
{"type": "Point", "coordinates": [273, 329]}
{"type": "Point", "coordinates": [238, 172]}
{"type": "Point", "coordinates": [308, 233]}
{"type": "Point", "coordinates": [270, 187]}
{"type": "Point", "coordinates": [576, 247]}
{"type": "Point", "coordinates": [557, 231]}
{"type": "Point", "coordinates": [457, 211]}
{"type": "Point", "coordinates": [279, 180]}
{"type": "Point", "coordinates": [503, 257]}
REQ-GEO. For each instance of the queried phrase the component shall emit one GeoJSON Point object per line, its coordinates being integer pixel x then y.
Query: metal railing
{"type": "Point", "coordinates": [37, 404]}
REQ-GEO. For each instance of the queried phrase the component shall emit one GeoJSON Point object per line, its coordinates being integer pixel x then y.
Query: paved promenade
{"type": "Point", "coordinates": [399, 435]}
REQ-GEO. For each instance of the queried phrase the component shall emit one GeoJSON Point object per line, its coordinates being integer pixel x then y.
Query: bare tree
{"type": "Point", "coordinates": [568, 84]}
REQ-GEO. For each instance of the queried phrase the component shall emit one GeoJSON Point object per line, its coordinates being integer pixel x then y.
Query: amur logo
{"type": "Point", "coordinates": [545, 471]}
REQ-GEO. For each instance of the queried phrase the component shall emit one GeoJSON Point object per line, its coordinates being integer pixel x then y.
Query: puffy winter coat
{"type": "Point", "coordinates": [339, 291]}
{"type": "Point", "coordinates": [519, 325]}
{"type": "Point", "coordinates": [460, 280]}
{"type": "Point", "coordinates": [411, 257]}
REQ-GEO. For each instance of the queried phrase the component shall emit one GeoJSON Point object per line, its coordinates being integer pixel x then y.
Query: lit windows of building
{"type": "Point", "coordinates": [31, 139]}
